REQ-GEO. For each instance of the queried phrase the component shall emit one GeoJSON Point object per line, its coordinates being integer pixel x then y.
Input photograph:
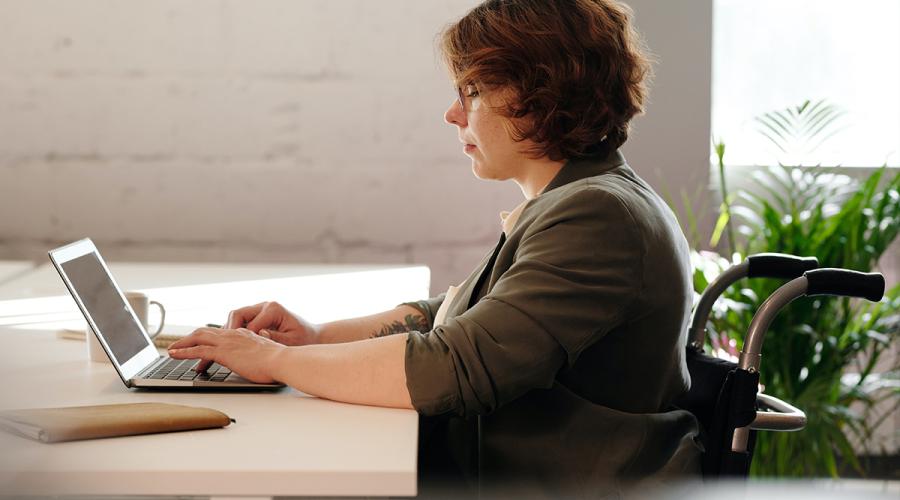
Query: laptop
{"type": "Point", "coordinates": [121, 334]}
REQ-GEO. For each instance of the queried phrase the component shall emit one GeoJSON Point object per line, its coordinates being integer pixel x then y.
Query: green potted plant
{"type": "Point", "coordinates": [821, 352]}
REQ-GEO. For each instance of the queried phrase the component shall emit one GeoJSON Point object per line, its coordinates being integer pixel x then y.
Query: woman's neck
{"type": "Point", "coordinates": [536, 175]}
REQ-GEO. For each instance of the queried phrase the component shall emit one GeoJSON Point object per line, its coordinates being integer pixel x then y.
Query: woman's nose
{"type": "Point", "coordinates": [455, 115]}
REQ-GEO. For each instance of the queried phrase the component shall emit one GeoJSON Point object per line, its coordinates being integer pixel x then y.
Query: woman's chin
{"type": "Point", "coordinates": [481, 172]}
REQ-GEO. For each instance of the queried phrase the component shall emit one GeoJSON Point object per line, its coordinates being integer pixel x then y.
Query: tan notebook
{"type": "Point", "coordinates": [53, 425]}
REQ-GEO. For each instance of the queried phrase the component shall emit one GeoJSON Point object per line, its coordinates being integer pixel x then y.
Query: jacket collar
{"type": "Point", "coordinates": [582, 168]}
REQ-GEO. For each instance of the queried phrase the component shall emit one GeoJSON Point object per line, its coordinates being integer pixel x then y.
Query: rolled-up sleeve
{"type": "Point", "coordinates": [575, 273]}
{"type": "Point", "coordinates": [428, 308]}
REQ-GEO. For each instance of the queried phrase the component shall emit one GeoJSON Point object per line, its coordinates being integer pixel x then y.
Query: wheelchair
{"type": "Point", "coordinates": [724, 395]}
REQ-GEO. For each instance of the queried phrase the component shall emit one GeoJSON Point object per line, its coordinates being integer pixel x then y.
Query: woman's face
{"type": "Point", "coordinates": [484, 133]}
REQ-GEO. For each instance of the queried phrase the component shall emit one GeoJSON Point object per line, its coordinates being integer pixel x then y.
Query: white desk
{"type": "Point", "coordinates": [284, 443]}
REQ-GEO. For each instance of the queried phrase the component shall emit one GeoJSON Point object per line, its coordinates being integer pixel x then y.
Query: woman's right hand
{"type": "Point", "coordinates": [273, 321]}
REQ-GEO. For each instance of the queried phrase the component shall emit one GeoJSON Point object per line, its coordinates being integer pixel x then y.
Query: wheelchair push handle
{"type": "Point", "coordinates": [761, 265]}
{"type": "Point", "coordinates": [840, 282]}
{"type": "Point", "coordinates": [779, 265]}
{"type": "Point", "coordinates": [846, 283]}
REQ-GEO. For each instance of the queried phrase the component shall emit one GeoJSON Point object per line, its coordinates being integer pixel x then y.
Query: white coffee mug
{"type": "Point", "coordinates": [140, 304]}
{"type": "Point", "coordinates": [94, 347]}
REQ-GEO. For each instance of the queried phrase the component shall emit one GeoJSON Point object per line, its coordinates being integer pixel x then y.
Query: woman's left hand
{"type": "Point", "coordinates": [247, 354]}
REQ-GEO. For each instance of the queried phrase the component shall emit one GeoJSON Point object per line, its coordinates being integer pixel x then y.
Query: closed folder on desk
{"type": "Point", "coordinates": [52, 425]}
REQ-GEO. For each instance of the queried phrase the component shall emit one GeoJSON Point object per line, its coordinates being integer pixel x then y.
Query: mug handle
{"type": "Point", "coordinates": [162, 318]}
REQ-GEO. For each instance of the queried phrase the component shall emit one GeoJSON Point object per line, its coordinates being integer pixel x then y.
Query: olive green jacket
{"type": "Point", "coordinates": [562, 352]}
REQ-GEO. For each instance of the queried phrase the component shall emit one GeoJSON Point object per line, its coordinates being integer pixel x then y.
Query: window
{"type": "Point", "coordinates": [774, 54]}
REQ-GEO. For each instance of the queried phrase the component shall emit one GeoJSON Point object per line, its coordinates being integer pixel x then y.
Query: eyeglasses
{"type": "Point", "coordinates": [466, 92]}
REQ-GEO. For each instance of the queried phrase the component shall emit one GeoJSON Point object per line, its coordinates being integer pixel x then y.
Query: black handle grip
{"type": "Point", "coordinates": [779, 265]}
{"type": "Point", "coordinates": [845, 282]}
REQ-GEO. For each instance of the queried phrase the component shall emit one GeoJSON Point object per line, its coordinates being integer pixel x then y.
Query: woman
{"type": "Point", "coordinates": [553, 366]}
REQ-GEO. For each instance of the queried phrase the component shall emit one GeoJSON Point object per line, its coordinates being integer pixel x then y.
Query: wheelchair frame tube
{"type": "Point", "coordinates": [756, 334]}
{"type": "Point", "coordinates": [750, 354]}
{"type": "Point", "coordinates": [785, 418]}
{"type": "Point", "coordinates": [697, 331]}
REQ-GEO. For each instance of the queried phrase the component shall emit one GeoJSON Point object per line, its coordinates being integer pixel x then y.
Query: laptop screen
{"type": "Point", "coordinates": [107, 309]}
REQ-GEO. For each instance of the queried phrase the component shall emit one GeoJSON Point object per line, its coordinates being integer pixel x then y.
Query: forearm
{"type": "Point", "coordinates": [398, 320]}
{"type": "Point", "coordinates": [369, 372]}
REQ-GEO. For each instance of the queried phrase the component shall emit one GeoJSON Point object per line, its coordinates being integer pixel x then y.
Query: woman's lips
{"type": "Point", "coordinates": [469, 148]}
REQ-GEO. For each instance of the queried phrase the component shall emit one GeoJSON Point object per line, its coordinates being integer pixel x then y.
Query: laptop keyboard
{"type": "Point", "coordinates": [183, 369]}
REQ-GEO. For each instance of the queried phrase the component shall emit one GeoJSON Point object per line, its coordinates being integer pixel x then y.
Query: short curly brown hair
{"type": "Point", "coordinates": [578, 70]}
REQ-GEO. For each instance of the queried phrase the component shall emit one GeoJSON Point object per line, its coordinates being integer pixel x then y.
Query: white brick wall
{"type": "Point", "coordinates": [288, 130]}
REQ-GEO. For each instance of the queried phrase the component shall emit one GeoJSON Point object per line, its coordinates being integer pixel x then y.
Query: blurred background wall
{"type": "Point", "coordinates": [280, 131]}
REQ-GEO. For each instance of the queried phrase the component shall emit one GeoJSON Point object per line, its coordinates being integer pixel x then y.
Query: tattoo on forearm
{"type": "Point", "coordinates": [412, 322]}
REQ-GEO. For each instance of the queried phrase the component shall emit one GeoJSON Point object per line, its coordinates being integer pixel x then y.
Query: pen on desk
{"type": "Point", "coordinates": [213, 325]}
